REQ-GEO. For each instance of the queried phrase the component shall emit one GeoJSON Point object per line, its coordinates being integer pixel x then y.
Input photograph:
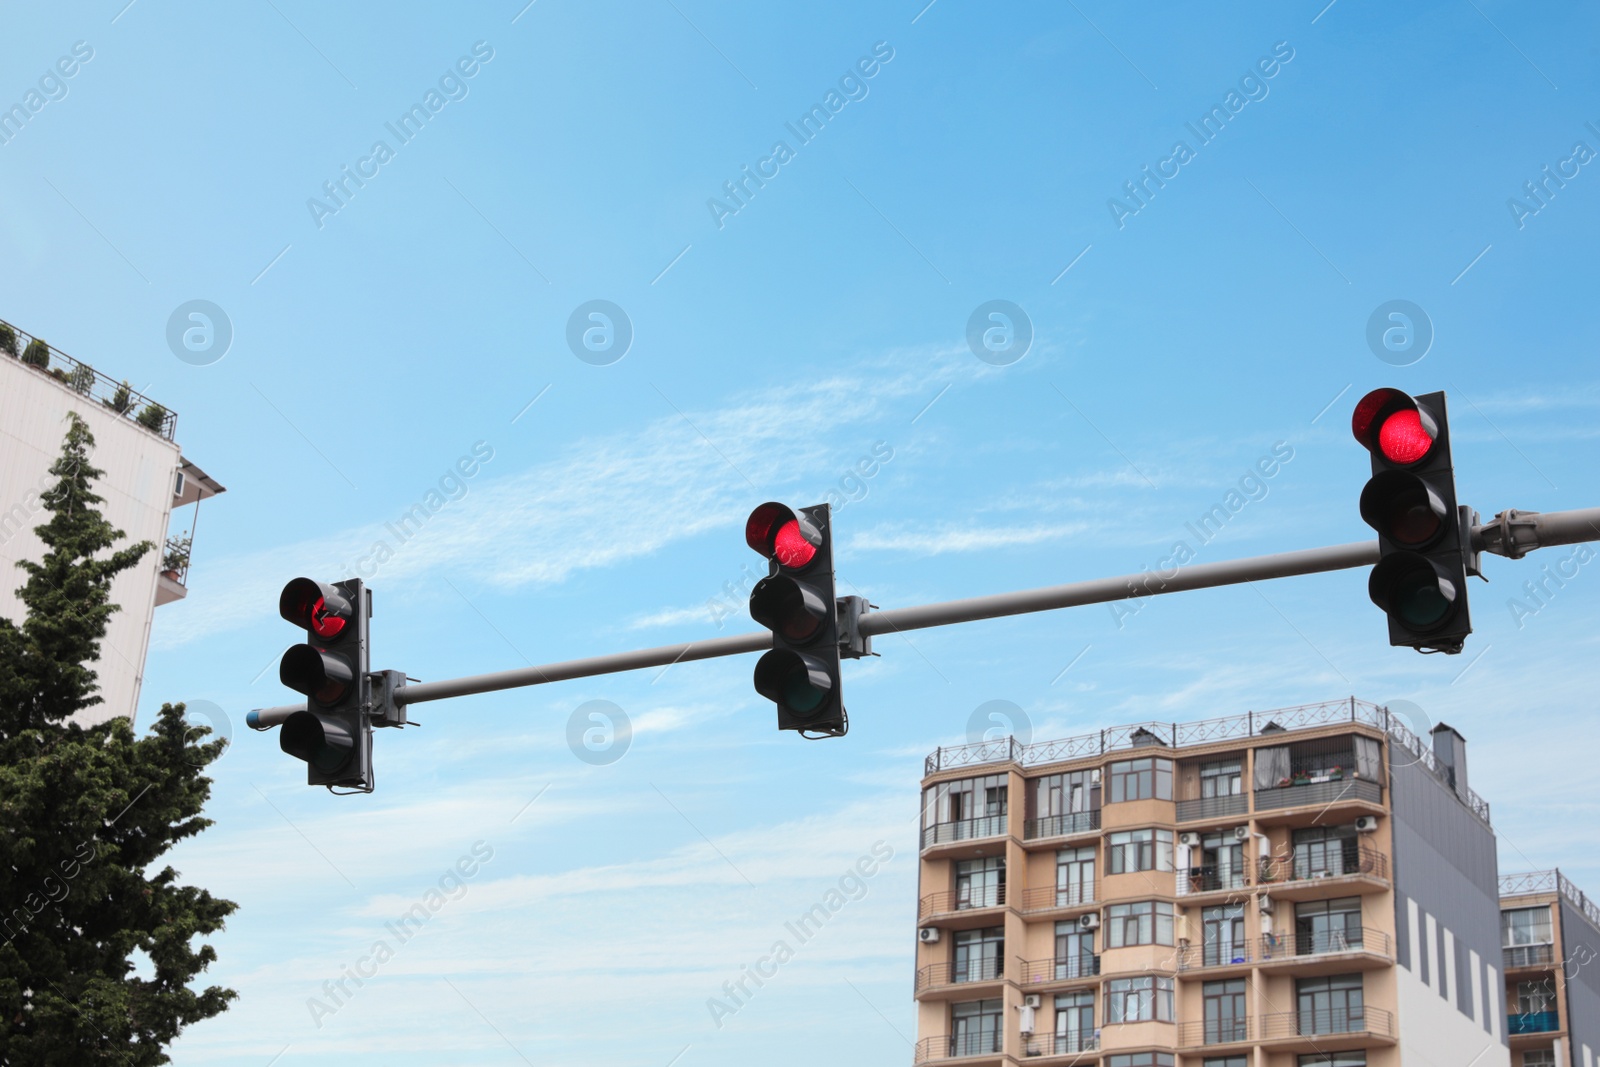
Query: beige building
{"type": "Point", "coordinates": [1306, 887]}
{"type": "Point", "coordinates": [147, 481]}
{"type": "Point", "coordinates": [1550, 933]}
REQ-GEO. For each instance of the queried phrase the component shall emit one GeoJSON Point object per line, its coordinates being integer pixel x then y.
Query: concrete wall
{"type": "Point", "coordinates": [1580, 951]}
{"type": "Point", "coordinates": [1447, 923]}
{"type": "Point", "coordinates": [140, 468]}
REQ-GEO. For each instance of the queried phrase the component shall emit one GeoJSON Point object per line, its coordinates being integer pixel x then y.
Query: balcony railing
{"type": "Point", "coordinates": [1532, 1022]}
{"type": "Point", "coordinates": [1214, 954]}
{"type": "Point", "coordinates": [1213, 1032]}
{"type": "Point", "coordinates": [1036, 972]}
{"type": "Point", "coordinates": [1210, 879]}
{"type": "Point", "coordinates": [1334, 791]}
{"type": "Point", "coordinates": [933, 1049]}
{"type": "Point", "coordinates": [943, 833]}
{"type": "Point", "coordinates": [1356, 1020]}
{"type": "Point", "coordinates": [1529, 956]}
{"type": "Point", "coordinates": [982, 969]}
{"type": "Point", "coordinates": [1213, 808]}
{"type": "Point", "coordinates": [1307, 864]}
{"type": "Point", "coordinates": [1061, 1044]}
{"type": "Point", "coordinates": [1323, 943]}
{"type": "Point", "coordinates": [1076, 822]}
{"type": "Point", "coordinates": [992, 896]}
{"type": "Point", "coordinates": [83, 379]}
{"type": "Point", "coordinates": [1047, 898]}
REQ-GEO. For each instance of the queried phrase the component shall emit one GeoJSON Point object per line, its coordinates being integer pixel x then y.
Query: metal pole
{"type": "Point", "coordinates": [1512, 533]}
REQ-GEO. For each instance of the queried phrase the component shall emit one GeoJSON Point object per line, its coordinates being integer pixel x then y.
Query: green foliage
{"type": "Point", "coordinates": [122, 400]}
{"type": "Point", "coordinates": [8, 340]}
{"type": "Point", "coordinates": [84, 814]}
{"type": "Point", "coordinates": [37, 354]}
{"type": "Point", "coordinates": [82, 379]}
{"type": "Point", "coordinates": [152, 417]}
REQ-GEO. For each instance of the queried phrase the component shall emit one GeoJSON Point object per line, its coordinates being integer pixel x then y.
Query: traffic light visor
{"type": "Point", "coordinates": [789, 608]}
{"type": "Point", "coordinates": [319, 608]}
{"type": "Point", "coordinates": [1414, 588]}
{"type": "Point", "coordinates": [794, 681]}
{"type": "Point", "coordinates": [775, 531]}
{"type": "Point", "coordinates": [1403, 508]}
{"type": "Point", "coordinates": [1390, 424]}
{"type": "Point", "coordinates": [320, 675]}
{"type": "Point", "coordinates": [320, 740]}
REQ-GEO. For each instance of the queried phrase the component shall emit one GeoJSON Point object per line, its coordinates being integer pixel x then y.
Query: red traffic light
{"type": "Point", "coordinates": [312, 606]}
{"type": "Point", "coordinates": [775, 531]}
{"type": "Point", "coordinates": [1390, 424]}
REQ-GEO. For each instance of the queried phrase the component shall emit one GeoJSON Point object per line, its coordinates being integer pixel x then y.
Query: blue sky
{"type": "Point", "coordinates": [375, 345]}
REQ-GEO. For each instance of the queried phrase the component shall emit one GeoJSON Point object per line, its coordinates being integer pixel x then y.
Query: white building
{"type": "Point", "coordinates": [146, 478]}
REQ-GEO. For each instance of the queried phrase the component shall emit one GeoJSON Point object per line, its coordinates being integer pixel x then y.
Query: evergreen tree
{"type": "Point", "coordinates": [84, 812]}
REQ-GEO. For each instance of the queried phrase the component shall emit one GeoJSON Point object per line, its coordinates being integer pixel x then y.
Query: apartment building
{"type": "Point", "coordinates": [1307, 887]}
{"type": "Point", "coordinates": [151, 490]}
{"type": "Point", "coordinates": [1550, 934]}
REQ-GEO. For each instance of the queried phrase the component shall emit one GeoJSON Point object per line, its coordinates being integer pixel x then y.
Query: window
{"type": "Point", "coordinates": [1074, 1022]}
{"type": "Point", "coordinates": [1141, 779]}
{"type": "Point", "coordinates": [1074, 877]}
{"type": "Point", "coordinates": [1227, 1061]}
{"type": "Point", "coordinates": [1535, 997]}
{"type": "Point", "coordinates": [979, 955]}
{"type": "Point", "coordinates": [1337, 1059]}
{"type": "Point", "coordinates": [1140, 1059]}
{"type": "Point", "coordinates": [1525, 926]}
{"type": "Point", "coordinates": [1539, 1057]}
{"type": "Point", "coordinates": [1327, 926]}
{"type": "Point", "coordinates": [1139, 1000]}
{"type": "Point", "coordinates": [1074, 952]}
{"type": "Point", "coordinates": [1148, 922]}
{"type": "Point", "coordinates": [1330, 1005]}
{"type": "Point", "coordinates": [1063, 794]}
{"type": "Point", "coordinates": [1220, 779]}
{"type": "Point", "coordinates": [975, 1027]}
{"type": "Point", "coordinates": [1222, 928]}
{"type": "Point", "coordinates": [1139, 850]}
{"type": "Point", "coordinates": [1326, 852]}
{"type": "Point", "coordinates": [1224, 1012]}
{"type": "Point", "coordinates": [969, 807]}
{"type": "Point", "coordinates": [980, 883]}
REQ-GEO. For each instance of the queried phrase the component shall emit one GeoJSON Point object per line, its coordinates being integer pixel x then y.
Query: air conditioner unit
{"type": "Point", "coordinates": [1264, 902]}
{"type": "Point", "coordinates": [928, 935]}
{"type": "Point", "coordinates": [1366, 824]}
{"type": "Point", "coordinates": [1241, 833]}
{"type": "Point", "coordinates": [1090, 921]}
{"type": "Point", "coordinates": [1032, 1000]}
{"type": "Point", "coordinates": [1189, 840]}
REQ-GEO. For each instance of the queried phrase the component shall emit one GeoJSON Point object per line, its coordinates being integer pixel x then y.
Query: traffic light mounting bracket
{"type": "Point", "coordinates": [853, 644]}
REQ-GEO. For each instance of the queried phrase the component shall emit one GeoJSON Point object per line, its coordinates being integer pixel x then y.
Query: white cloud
{"type": "Point", "coordinates": [948, 537]}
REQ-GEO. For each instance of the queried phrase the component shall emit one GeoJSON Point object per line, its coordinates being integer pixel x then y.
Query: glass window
{"type": "Point", "coordinates": [1326, 852]}
{"type": "Point", "coordinates": [1075, 956]}
{"type": "Point", "coordinates": [1136, 1000]}
{"type": "Point", "coordinates": [1330, 1005]}
{"type": "Point", "coordinates": [1222, 928]}
{"type": "Point", "coordinates": [1148, 922]}
{"type": "Point", "coordinates": [1525, 926]}
{"type": "Point", "coordinates": [1141, 779]}
{"type": "Point", "coordinates": [1221, 779]}
{"type": "Point", "coordinates": [1226, 1061]}
{"type": "Point", "coordinates": [1539, 1057]}
{"type": "Point", "coordinates": [980, 883]}
{"type": "Point", "coordinates": [1335, 1059]}
{"type": "Point", "coordinates": [968, 807]}
{"type": "Point", "coordinates": [1224, 1012]}
{"type": "Point", "coordinates": [1139, 850]}
{"type": "Point", "coordinates": [1140, 1059]}
{"type": "Point", "coordinates": [1074, 877]}
{"type": "Point", "coordinates": [980, 955]}
{"type": "Point", "coordinates": [1327, 926]}
{"type": "Point", "coordinates": [1065, 793]}
{"type": "Point", "coordinates": [1074, 1022]}
{"type": "Point", "coordinates": [975, 1027]}
{"type": "Point", "coordinates": [1535, 997]}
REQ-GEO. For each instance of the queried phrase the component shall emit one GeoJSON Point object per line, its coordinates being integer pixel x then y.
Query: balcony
{"type": "Point", "coordinates": [1324, 794]}
{"type": "Point", "coordinates": [1532, 1022]}
{"type": "Point", "coordinates": [1069, 825]}
{"type": "Point", "coordinates": [976, 900]}
{"type": "Point", "coordinates": [1210, 879]}
{"type": "Point", "coordinates": [1045, 1045]}
{"type": "Point", "coordinates": [1072, 969]}
{"type": "Point", "coordinates": [1213, 809]}
{"type": "Point", "coordinates": [1326, 953]}
{"type": "Point", "coordinates": [1213, 1032]}
{"type": "Point", "coordinates": [1308, 874]}
{"type": "Point", "coordinates": [1221, 954]}
{"type": "Point", "coordinates": [1080, 896]}
{"type": "Point", "coordinates": [947, 833]}
{"type": "Point", "coordinates": [1539, 956]}
{"type": "Point", "coordinates": [1330, 1030]}
{"type": "Point", "coordinates": [962, 1047]}
{"type": "Point", "coordinates": [957, 978]}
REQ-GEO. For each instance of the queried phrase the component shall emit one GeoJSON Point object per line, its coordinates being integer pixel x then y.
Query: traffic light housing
{"type": "Point", "coordinates": [333, 735]}
{"type": "Point", "coordinates": [796, 602]}
{"type": "Point", "coordinates": [1424, 537]}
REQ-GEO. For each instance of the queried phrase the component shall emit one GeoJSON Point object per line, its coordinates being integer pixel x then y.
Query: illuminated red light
{"type": "Point", "coordinates": [323, 622]}
{"type": "Point", "coordinates": [790, 547]}
{"type": "Point", "coordinates": [1403, 439]}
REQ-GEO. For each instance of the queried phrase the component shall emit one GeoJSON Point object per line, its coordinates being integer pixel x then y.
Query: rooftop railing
{"type": "Point", "coordinates": [81, 378]}
{"type": "Point", "coordinates": [1551, 881]}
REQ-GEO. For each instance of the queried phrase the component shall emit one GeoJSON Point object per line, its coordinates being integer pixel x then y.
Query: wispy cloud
{"type": "Point", "coordinates": [950, 537]}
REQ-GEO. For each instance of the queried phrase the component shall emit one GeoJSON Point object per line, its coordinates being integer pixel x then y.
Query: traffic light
{"type": "Point", "coordinates": [334, 734]}
{"type": "Point", "coordinates": [796, 602]}
{"type": "Point", "coordinates": [1424, 538]}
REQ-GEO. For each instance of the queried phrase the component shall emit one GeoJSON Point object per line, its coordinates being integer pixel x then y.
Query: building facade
{"type": "Point", "coordinates": [1550, 934]}
{"type": "Point", "coordinates": [1307, 887]}
{"type": "Point", "coordinates": [146, 481]}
